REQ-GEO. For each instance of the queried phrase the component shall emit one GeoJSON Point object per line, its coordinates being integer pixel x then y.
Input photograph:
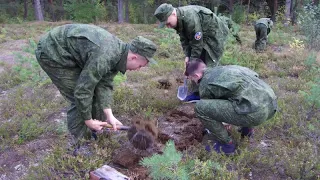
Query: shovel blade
{"type": "Point", "coordinates": [182, 92]}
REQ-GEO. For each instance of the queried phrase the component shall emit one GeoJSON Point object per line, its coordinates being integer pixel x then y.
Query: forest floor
{"type": "Point", "coordinates": [34, 142]}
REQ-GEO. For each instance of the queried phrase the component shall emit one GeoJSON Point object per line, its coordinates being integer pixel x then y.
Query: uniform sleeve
{"type": "Point", "coordinates": [104, 91]}
{"type": "Point", "coordinates": [221, 89]}
{"type": "Point", "coordinates": [196, 36]}
{"type": "Point", "coordinates": [91, 75]}
{"type": "Point", "coordinates": [215, 92]}
{"type": "Point", "coordinates": [185, 45]}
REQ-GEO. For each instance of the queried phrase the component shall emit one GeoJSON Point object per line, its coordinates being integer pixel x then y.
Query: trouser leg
{"type": "Point", "coordinates": [215, 111]}
{"type": "Point", "coordinates": [261, 37]}
{"type": "Point", "coordinates": [65, 79]}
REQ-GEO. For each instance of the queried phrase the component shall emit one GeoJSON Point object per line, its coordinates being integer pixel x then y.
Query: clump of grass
{"type": "Point", "coordinates": [130, 101]}
{"type": "Point", "coordinates": [25, 112]}
{"type": "Point", "coordinates": [61, 163]}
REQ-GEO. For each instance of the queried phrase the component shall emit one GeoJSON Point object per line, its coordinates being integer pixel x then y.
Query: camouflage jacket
{"type": "Point", "coordinates": [199, 28]}
{"type": "Point", "coordinates": [266, 21]}
{"type": "Point", "coordinates": [239, 85]}
{"type": "Point", "coordinates": [233, 27]}
{"type": "Point", "coordinates": [96, 53]}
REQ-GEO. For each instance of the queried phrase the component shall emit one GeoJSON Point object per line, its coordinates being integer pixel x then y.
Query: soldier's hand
{"type": "Point", "coordinates": [186, 60]}
{"type": "Point", "coordinates": [95, 124]}
{"type": "Point", "coordinates": [114, 122]}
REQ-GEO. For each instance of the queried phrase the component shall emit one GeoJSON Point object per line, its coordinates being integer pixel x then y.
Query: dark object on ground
{"type": "Point", "coordinates": [246, 132]}
{"type": "Point", "coordinates": [142, 133]}
{"type": "Point", "coordinates": [164, 84]}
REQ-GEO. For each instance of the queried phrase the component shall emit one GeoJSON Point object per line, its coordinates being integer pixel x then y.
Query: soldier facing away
{"type": "Point", "coordinates": [262, 27]}
{"type": "Point", "coordinates": [230, 94]}
{"type": "Point", "coordinates": [202, 34]}
{"type": "Point", "coordinates": [82, 60]}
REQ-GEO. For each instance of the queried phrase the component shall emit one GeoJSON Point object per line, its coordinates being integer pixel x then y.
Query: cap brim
{"type": "Point", "coordinates": [162, 24]}
{"type": "Point", "coordinates": [151, 61]}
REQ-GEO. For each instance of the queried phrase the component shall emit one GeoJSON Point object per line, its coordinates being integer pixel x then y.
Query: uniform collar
{"type": "Point", "coordinates": [205, 72]}
{"type": "Point", "coordinates": [122, 64]}
{"type": "Point", "coordinates": [180, 19]}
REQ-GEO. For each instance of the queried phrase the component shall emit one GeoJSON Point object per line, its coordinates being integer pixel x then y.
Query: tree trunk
{"type": "Point", "coordinates": [127, 11]}
{"type": "Point", "coordinates": [43, 8]}
{"type": "Point", "coordinates": [25, 5]}
{"type": "Point", "coordinates": [145, 14]}
{"type": "Point", "coordinates": [293, 11]}
{"type": "Point", "coordinates": [288, 12]}
{"type": "Point", "coordinates": [248, 11]}
{"type": "Point", "coordinates": [62, 9]}
{"type": "Point", "coordinates": [38, 10]}
{"type": "Point", "coordinates": [53, 18]}
{"type": "Point", "coordinates": [273, 5]}
{"type": "Point", "coordinates": [231, 6]}
{"type": "Point", "coordinates": [120, 11]}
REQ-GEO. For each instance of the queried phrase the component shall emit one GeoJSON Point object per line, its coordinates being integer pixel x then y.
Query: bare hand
{"type": "Point", "coordinates": [186, 60]}
{"type": "Point", "coordinates": [114, 122]}
{"type": "Point", "coordinates": [95, 124]}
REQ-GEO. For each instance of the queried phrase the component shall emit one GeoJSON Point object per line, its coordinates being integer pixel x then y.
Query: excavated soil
{"type": "Point", "coordinates": [179, 125]}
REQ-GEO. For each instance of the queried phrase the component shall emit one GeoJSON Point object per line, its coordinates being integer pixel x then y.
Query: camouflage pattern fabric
{"type": "Point", "coordinates": [262, 27]}
{"type": "Point", "coordinates": [234, 95]}
{"type": "Point", "coordinates": [234, 28]}
{"type": "Point", "coordinates": [201, 33]}
{"type": "Point", "coordinates": [81, 61]}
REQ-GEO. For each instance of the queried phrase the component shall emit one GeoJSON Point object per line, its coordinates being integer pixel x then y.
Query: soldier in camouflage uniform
{"type": "Point", "coordinates": [202, 34]}
{"type": "Point", "coordinates": [234, 28]}
{"type": "Point", "coordinates": [262, 27]}
{"type": "Point", "coordinates": [82, 61]}
{"type": "Point", "coordinates": [234, 95]}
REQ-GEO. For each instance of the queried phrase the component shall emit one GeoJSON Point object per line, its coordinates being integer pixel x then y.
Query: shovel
{"type": "Point", "coordinates": [183, 90]}
{"type": "Point", "coordinates": [139, 137]}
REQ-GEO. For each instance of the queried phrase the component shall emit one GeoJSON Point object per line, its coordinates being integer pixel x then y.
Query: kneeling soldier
{"type": "Point", "coordinates": [230, 94]}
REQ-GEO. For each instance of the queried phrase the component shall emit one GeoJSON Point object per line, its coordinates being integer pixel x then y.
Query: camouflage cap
{"type": "Point", "coordinates": [162, 13]}
{"type": "Point", "coordinates": [144, 47]}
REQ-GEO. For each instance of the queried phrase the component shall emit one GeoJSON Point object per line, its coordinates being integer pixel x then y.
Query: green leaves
{"type": "Point", "coordinates": [85, 11]}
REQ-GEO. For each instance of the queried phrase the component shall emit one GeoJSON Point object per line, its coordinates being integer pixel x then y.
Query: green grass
{"type": "Point", "coordinates": [24, 114]}
{"type": "Point", "coordinates": [294, 140]}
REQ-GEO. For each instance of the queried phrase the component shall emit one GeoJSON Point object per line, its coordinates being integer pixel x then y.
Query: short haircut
{"type": "Point", "coordinates": [192, 67]}
{"type": "Point", "coordinates": [139, 56]}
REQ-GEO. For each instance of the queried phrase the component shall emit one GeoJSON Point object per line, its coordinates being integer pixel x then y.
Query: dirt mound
{"type": "Point", "coordinates": [181, 126]}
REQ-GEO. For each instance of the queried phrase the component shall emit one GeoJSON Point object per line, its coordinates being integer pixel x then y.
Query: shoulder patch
{"type": "Point", "coordinates": [198, 36]}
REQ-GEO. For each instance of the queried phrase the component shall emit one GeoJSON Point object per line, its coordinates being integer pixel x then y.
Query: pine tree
{"type": "Point", "coordinates": [166, 166]}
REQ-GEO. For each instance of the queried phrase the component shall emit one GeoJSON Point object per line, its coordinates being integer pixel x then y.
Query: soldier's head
{"type": "Point", "coordinates": [195, 69]}
{"type": "Point", "coordinates": [167, 15]}
{"type": "Point", "coordinates": [141, 51]}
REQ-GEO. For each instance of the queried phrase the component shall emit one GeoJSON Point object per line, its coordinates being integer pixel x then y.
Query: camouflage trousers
{"type": "Point", "coordinates": [65, 79]}
{"type": "Point", "coordinates": [194, 87]}
{"type": "Point", "coordinates": [261, 37]}
{"type": "Point", "coordinates": [212, 112]}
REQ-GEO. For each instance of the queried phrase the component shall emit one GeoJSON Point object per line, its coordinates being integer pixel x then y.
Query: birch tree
{"type": "Point", "coordinates": [120, 11]}
{"type": "Point", "coordinates": [38, 10]}
{"type": "Point", "coordinates": [288, 12]}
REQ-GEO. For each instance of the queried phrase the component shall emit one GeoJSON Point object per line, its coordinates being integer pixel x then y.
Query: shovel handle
{"type": "Point", "coordinates": [119, 127]}
{"type": "Point", "coordinates": [185, 81]}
